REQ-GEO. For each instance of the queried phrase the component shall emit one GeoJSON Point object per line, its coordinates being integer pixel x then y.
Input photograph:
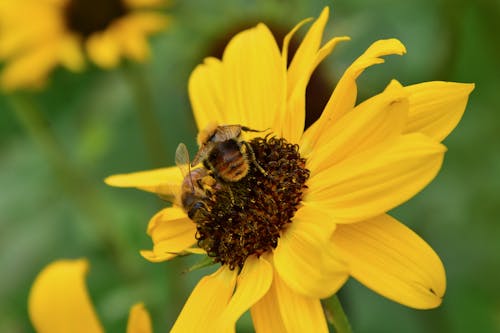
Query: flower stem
{"type": "Point", "coordinates": [84, 195]}
{"type": "Point", "coordinates": [336, 316]}
{"type": "Point", "coordinates": [147, 118]}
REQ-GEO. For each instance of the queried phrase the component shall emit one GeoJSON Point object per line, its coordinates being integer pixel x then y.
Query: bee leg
{"type": "Point", "coordinates": [254, 159]}
{"type": "Point", "coordinates": [231, 195]}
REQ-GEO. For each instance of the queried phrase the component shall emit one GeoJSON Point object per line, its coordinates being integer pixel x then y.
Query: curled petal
{"type": "Point", "coordinates": [389, 258]}
{"type": "Point", "coordinates": [59, 302]}
{"type": "Point", "coordinates": [344, 96]}
{"type": "Point", "coordinates": [172, 232]}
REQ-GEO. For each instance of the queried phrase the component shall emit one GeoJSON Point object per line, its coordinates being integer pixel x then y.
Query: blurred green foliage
{"type": "Point", "coordinates": [94, 117]}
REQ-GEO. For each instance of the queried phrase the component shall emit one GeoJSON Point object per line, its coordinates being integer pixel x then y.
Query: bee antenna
{"type": "Point", "coordinates": [248, 129]}
{"type": "Point", "coordinates": [190, 177]}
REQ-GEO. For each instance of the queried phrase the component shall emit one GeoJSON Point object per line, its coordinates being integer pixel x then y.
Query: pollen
{"type": "Point", "coordinates": [86, 17]}
{"type": "Point", "coordinates": [246, 217]}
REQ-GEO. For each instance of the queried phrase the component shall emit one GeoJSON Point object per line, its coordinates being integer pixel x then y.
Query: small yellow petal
{"type": "Point", "coordinates": [253, 283]}
{"type": "Point", "coordinates": [139, 320]}
{"type": "Point", "coordinates": [392, 260]}
{"type": "Point", "coordinates": [103, 49]}
{"type": "Point", "coordinates": [59, 302]}
{"type": "Point", "coordinates": [132, 42]}
{"type": "Point", "coordinates": [305, 261]}
{"type": "Point", "coordinates": [436, 107]}
{"type": "Point", "coordinates": [147, 23]}
{"type": "Point", "coordinates": [145, 3]}
{"type": "Point", "coordinates": [206, 302]}
{"type": "Point", "coordinates": [253, 79]}
{"type": "Point", "coordinates": [165, 181]}
{"type": "Point", "coordinates": [378, 120]}
{"type": "Point", "coordinates": [344, 96]}
{"type": "Point", "coordinates": [172, 232]}
{"type": "Point", "coordinates": [32, 69]}
{"type": "Point", "coordinates": [375, 181]}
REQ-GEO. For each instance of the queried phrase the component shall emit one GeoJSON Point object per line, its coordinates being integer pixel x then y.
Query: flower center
{"type": "Point", "coordinates": [88, 16]}
{"type": "Point", "coordinates": [242, 218]}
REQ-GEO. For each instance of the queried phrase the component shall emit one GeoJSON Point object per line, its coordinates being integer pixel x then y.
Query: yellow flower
{"type": "Point", "coordinates": [291, 235]}
{"type": "Point", "coordinates": [38, 35]}
{"type": "Point", "coordinates": [59, 302]}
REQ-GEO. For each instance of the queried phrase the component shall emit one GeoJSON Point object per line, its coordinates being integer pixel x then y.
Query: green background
{"type": "Point", "coordinates": [95, 119]}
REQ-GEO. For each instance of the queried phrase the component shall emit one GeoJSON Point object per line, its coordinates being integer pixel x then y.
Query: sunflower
{"type": "Point", "coordinates": [59, 302]}
{"type": "Point", "coordinates": [38, 35]}
{"type": "Point", "coordinates": [312, 208]}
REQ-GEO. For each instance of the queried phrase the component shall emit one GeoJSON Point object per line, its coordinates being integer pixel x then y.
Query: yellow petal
{"type": "Point", "coordinates": [298, 75]}
{"type": "Point", "coordinates": [299, 313]}
{"type": "Point", "coordinates": [58, 301]}
{"type": "Point", "coordinates": [306, 53]}
{"type": "Point", "coordinates": [144, 3]}
{"type": "Point", "coordinates": [206, 302]}
{"type": "Point", "coordinates": [253, 283]}
{"type": "Point", "coordinates": [103, 49]}
{"type": "Point", "coordinates": [70, 53]}
{"type": "Point", "coordinates": [392, 260]}
{"type": "Point", "coordinates": [147, 22]}
{"type": "Point", "coordinates": [172, 232]}
{"type": "Point", "coordinates": [344, 95]}
{"type": "Point", "coordinates": [378, 120]}
{"type": "Point", "coordinates": [375, 181]}
{"type": "Point", "coordinates": [206, 93]}
{"type": "Point", "coordinates": [132, 42]}
{"type": "Point", "coordinates": [266, 315]}
{"type": "Point", "coordinates": [305, 60]}
{"type": "Point", "coordinates": [139, 320]}
{"type": "Point", "coordinates": [32, 69]}
{"type": "Point", "coordinates": [304, 260]}
{"type": "Point", "coordinates": [436, 107]}
{"type": "Point", "coordinates": [253, 79]}
{"type": "Point", "coordinates": [165, 181]}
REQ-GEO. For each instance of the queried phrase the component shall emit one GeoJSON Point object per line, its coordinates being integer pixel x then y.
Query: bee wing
{"type": "Point", "coordinates": [203, 153]}
{"type": "Point", "coordinates": [182, 159]}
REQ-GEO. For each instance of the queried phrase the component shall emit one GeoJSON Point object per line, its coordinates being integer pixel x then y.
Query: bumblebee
{"type": "Point", "coordinates": [225, 153]}
{"type": "Point", "coordinates": [197, 185]}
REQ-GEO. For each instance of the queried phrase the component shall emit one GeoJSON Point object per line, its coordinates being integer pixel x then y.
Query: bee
{"type": "Point", "coordinates": [197, 185]}
{"type": "Point", "coordinates": [225, 153]}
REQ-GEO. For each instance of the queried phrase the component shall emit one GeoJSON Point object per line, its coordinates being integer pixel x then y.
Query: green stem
{"type": "Point", "coordinates": [336, 316]}
{"type": "Point", "coordinates": [148, 120]}
{"type": "Point", "coordinates": [72, 180]}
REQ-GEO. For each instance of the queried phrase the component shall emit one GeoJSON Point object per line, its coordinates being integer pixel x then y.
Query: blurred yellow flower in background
{"type": "Point", "coordinates": [38, 35]}
{"type": "Point", "coordinates": [59, 302]}
{"type": "Point", "coordinates": [319, 215]}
